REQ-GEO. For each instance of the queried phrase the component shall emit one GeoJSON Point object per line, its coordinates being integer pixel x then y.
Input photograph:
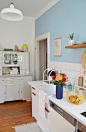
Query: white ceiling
{"type": "Point", "coordinates": [28, 7]}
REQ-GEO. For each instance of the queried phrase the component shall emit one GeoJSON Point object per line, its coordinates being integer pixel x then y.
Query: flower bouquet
{"type": "Point", "coordinates": [59, 81]}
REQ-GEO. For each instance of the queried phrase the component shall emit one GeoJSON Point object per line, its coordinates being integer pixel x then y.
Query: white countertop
{"type": "Point", "coordinates": [73, 110]}
{"type": "Point", "coordinates": [37, 84]}
{"type": "Point", "coordinates": [18, 75]}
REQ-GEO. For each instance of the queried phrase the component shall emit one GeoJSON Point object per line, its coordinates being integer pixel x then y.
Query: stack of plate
{"type": "Point", "coordinates": [79, 42]}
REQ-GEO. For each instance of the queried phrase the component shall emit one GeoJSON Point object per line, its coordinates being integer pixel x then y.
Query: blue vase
{"type": "Point", "coordinates": [59, 92]}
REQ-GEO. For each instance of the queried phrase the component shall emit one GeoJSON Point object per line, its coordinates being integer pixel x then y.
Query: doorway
{"type": "Point", "coordinates": [41, 55]}
{"type": "Point", "coordinates": [42, 58]}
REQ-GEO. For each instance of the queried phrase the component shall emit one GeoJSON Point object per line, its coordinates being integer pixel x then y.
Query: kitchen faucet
{"type": "Point", "coordinates": [49, 73]}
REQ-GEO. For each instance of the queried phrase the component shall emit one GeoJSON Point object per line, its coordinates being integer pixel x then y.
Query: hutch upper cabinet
{"type": "Point", "coordinates": [15, 59]}
{"type": "Point", "coordinates": [10, 59]}
{"type": "Point", "coordinates": [24, 58]}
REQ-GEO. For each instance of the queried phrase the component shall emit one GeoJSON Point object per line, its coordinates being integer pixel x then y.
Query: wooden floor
{"type": "Point", "coordinates": [14, 114]}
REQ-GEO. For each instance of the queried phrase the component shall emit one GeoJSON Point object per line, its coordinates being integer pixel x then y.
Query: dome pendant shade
{"type": "Point", "coordinates": [11, 14]}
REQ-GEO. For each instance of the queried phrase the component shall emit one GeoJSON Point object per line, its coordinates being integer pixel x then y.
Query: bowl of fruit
{"type": "Point", "coordinates": [75, 96]}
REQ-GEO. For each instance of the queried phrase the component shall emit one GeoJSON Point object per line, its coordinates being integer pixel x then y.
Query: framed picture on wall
{"type": "Point", "coordinates": [57, 47]}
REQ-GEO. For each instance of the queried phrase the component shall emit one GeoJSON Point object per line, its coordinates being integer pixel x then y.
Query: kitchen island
{"type": "Point", "coordinates": [73, 120]}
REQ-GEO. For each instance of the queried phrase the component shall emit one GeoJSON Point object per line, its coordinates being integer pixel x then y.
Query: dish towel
{"type": "Point", "coordinates": [42, 104]}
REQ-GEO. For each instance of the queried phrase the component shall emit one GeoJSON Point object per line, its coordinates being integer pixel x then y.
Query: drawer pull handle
{"type": "Point", "coordinates": [2, 80]}
{"type": "Point", "coordinates": [18, 91]}
{"type": "Point", "coordinates": [34, 94]}
{"type": "Point", "coordinates": [21, 79]}
{"type": "Point", "coordinates": [33, 88]}
{"type": "Point", "coordinates": [47, 110]}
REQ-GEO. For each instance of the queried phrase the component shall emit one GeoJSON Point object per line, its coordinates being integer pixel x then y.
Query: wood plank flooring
{"type": "Point", "coordinates": [14, 114]}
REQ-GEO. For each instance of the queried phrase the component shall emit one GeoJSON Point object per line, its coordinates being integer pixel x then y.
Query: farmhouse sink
{"type": "Point", "coordinates": [50, 90]}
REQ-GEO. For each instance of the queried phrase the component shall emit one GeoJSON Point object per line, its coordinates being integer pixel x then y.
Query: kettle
{"type": "Point", "coordinates": [27, 72]}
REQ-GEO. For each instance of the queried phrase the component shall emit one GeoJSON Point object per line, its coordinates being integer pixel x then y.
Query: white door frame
{"type": "Point", "coordinates": [36, 57]}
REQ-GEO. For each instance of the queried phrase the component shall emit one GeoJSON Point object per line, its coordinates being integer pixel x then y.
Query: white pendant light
{"type": "Point", "coordinates": [11, 14]}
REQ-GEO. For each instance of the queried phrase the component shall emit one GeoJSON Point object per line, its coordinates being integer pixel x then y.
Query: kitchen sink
{"type": "Point", "coordinates": [49, 89]}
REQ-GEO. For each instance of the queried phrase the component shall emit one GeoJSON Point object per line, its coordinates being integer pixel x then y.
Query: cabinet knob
{"type": "Point", "coordinates": [4, 93]}
{"type": "Point", "coordinates": [21, 91]}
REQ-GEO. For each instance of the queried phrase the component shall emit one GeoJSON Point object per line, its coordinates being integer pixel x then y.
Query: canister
{"type": "Point", "coordinates": [84, 79]}
{"type": "Point", "coordinates": [80, 81]}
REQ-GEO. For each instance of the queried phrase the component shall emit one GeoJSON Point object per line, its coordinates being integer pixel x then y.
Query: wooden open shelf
{"type": "Point", "coordinates": [76, 46]}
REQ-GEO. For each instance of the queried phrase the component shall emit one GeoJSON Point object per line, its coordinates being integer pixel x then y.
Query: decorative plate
{"type": "Point", "coordinates": [83, 61]}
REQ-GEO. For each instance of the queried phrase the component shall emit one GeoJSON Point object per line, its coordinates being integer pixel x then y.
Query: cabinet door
{"type": "Point", "coordinates": [2, 94]}
{"type": "Point", "coordinates": [10, 59]}
{"type": "Point", "coordinates": [27, 59]}
{"type": "Point", "coordinates": [34, 106]}
{"type": "Point", "coordinates": [0, 58]}
{"type": "Point", "coordinates": [12, 92]}
{"type": "Point", "coordinates": [24, 59]}
{"type": "Point", "coordinates": [25, 91]}
{"type": "Point", "coordinates": [43, 122]}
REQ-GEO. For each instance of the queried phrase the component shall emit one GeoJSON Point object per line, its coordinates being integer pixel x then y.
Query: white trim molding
{"type": "Point", "coordinates": [47, 7]}
{"type": "Point", "coordinates": [36, 53]}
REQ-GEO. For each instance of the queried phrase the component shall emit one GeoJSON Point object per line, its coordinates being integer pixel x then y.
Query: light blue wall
{"type": "Point", "coordinates": [67, 16]}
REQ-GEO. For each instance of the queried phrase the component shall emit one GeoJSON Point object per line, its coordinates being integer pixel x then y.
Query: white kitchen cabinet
{"type": "Point", "coordinates": [34, 106]}
{"type": "Point", "coordinates": [0, 58]}
{"type": "Point", "coordinates": [44, 123]}
{"type": "Point", "coordinates": [12, 92]}
{"type": "Point", "coordinates": [2, 94]}
{"type": "Point", "coordinates": [10, 59]}
{"type": "Point", "coordinates": [24, 59]}
{"type": "Point", "coordinates": [25, 91]}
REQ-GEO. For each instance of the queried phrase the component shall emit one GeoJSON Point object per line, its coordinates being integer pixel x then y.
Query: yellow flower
{"type": "Point", "coordinates": [59, 77]}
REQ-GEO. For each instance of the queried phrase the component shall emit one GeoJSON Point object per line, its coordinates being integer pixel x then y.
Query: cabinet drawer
{"type": "Point", "coordinates": [12, 79]}
{"type": "Point", "coordinates": [12, 82]}
{"type": "Point", "coordinates": [2, 80]}
{"type": "Point", "coordinates": [25, 79]}
{"type": "Point", "coordinates": [81, 127]}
